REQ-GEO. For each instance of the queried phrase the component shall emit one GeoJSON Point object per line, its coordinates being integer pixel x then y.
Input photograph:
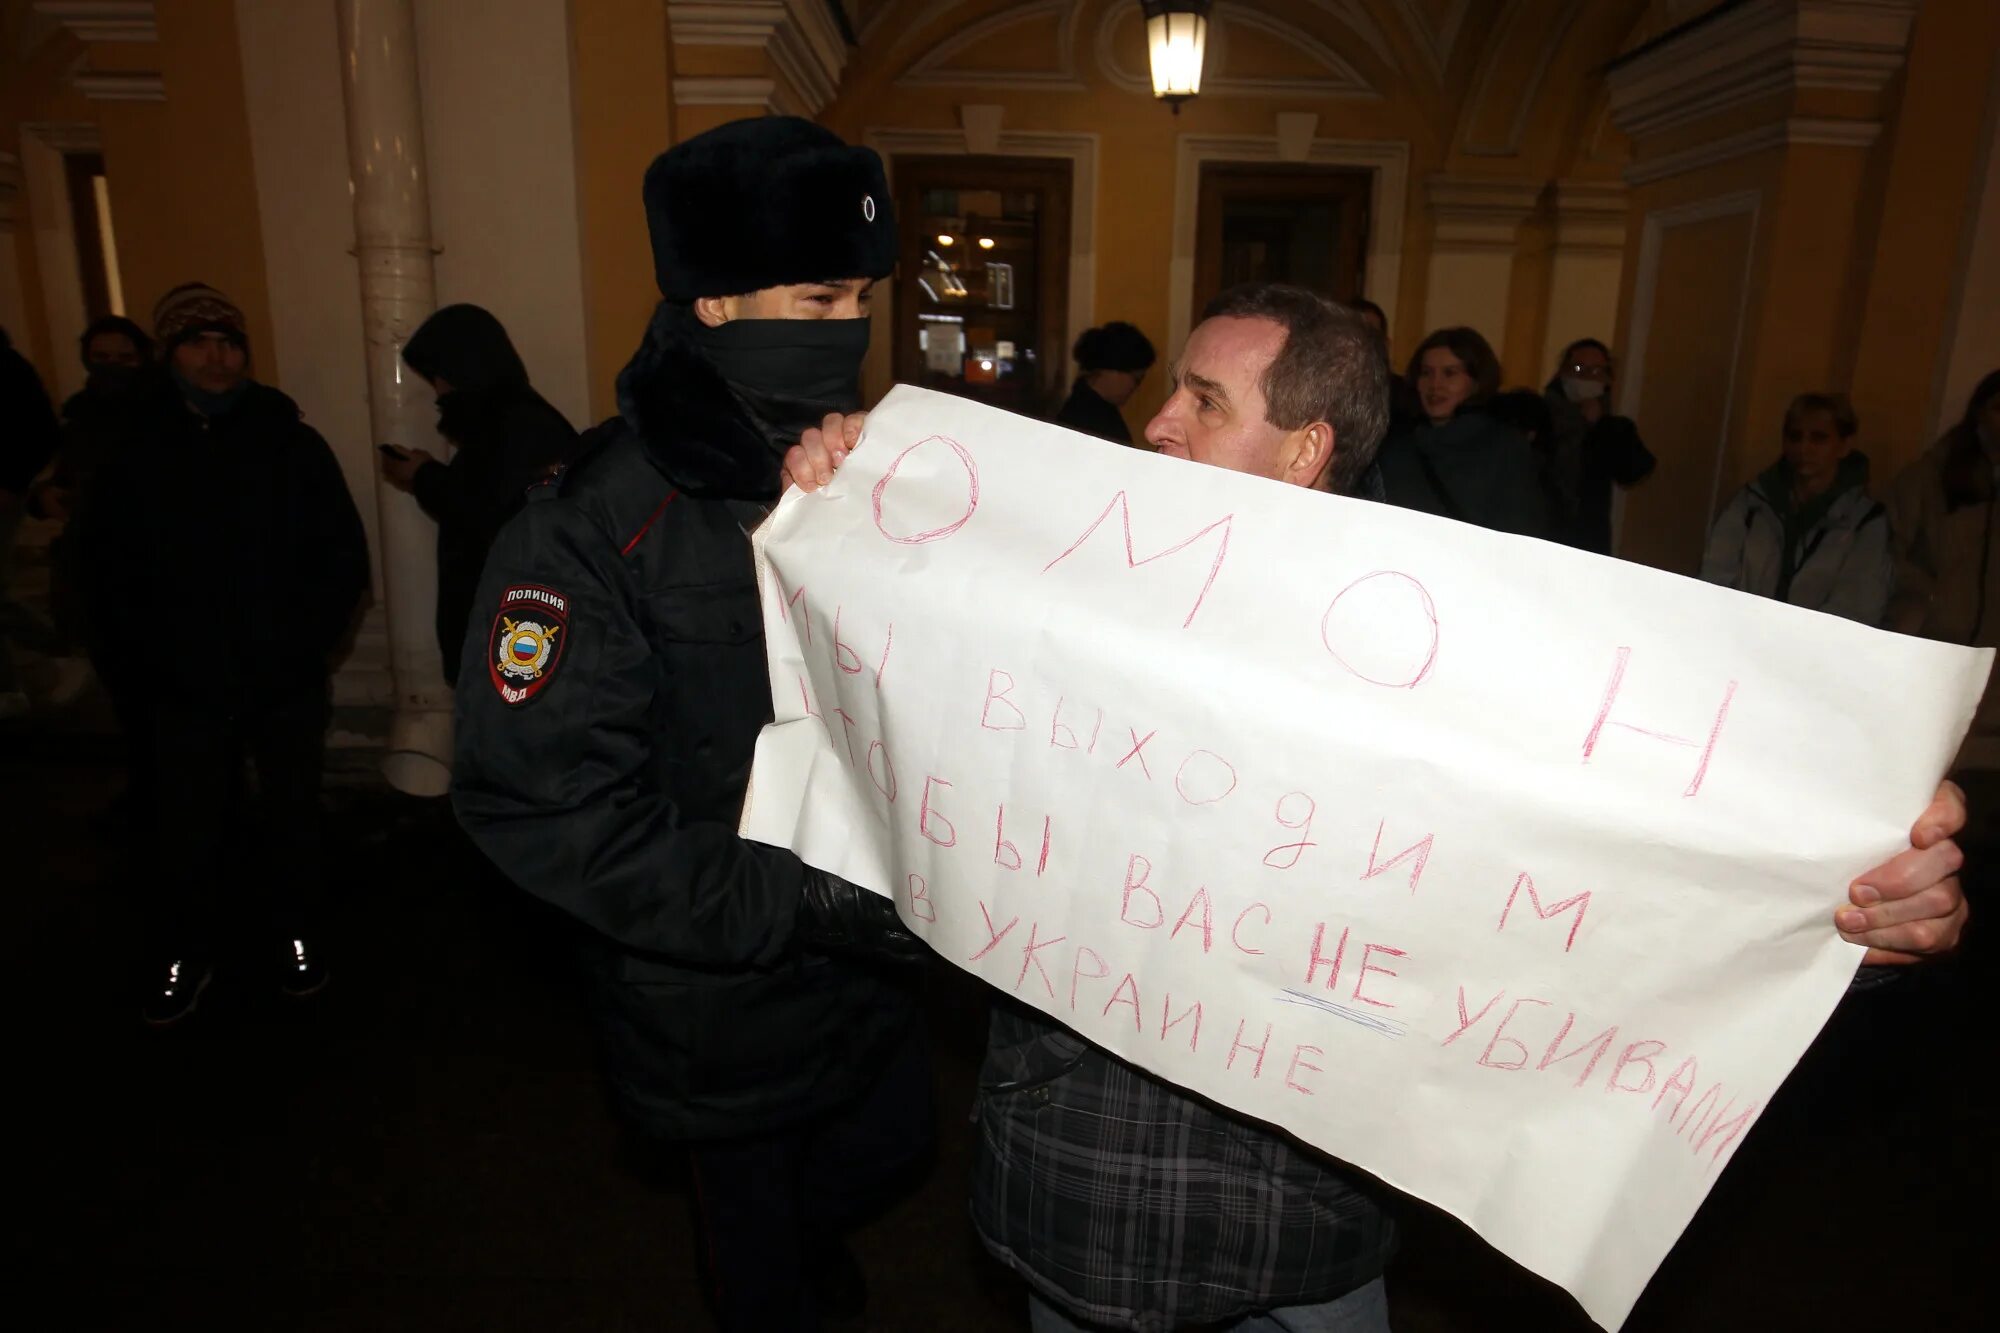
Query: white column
{"type": "Point", "coordinates": [1475, 226]}
{"type": "Point", "coordinates": [392, 235]}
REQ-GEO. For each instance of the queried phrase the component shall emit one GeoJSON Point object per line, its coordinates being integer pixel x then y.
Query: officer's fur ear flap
{"type": "Point", "coordinates": [763, 203]}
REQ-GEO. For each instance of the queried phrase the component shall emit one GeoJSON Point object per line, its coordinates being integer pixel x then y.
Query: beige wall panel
{"type": "Point", "coordinates": [500, 135]}
{"type": "Point", "coordinates": [1687, 325]}
{"type": "Point", "coordinates": [1583, 303]}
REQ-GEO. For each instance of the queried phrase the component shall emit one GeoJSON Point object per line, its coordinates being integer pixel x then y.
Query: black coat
{"type": "Point", "coordinates": [1474, 469]}
{"type": "Point", "coordinates": [103, 434]}
{"type": "Point", "coordinates": [233, 560]}
{"type": "Point", "coordinates": [28, 431]}
{"type": "Point", "coordinates": [608, 779]}
{"type": "Point", "coordinates": [1086, 411]}
{"type": "Point", "coordinates": [508, 438]}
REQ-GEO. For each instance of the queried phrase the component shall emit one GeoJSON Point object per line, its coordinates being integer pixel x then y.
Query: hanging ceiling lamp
{"type": "Point", "coordinates": [1176, 41]}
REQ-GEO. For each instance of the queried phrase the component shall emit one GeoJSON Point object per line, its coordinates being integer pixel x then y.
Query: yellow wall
{"type": "Point", "coordinates": [1849, 285]}
{"type": "Point", "coordinates": [1137, 136]}
{"type": "Point", "coordinates": [37, 90]}
{"type": "Point", "coordinates": [183, 190]}
{"type": "Point", "coordinates": [623, 118]}
{"type": "Point", "coordinates": [1927, 192]}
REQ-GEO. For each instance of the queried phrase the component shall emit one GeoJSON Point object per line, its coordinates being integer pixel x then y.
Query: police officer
{"type": "Point", "coordinates": [611, 691]}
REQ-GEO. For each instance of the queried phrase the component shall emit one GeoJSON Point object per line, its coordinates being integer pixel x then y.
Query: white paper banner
{"type": "Point", "coordinates": [1501, 871]}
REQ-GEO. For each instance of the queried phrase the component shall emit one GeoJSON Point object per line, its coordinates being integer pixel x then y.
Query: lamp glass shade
{"type": "Point", "coordinates": [1176, 41]}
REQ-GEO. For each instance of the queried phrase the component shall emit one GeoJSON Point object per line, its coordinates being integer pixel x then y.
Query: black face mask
{"type": "Point", "coordinates": [789, 373]}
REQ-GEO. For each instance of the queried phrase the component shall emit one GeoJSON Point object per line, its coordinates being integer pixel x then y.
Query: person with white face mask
{"type": "Point", "coordinates": [1593, 448]}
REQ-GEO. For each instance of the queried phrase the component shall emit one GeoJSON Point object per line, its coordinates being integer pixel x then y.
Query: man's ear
{"type": "Point", "coordinates": [1312, 454]}
{"type": "Point", "coordinates": [711, 311]}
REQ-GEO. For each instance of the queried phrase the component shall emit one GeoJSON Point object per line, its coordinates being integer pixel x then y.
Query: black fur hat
{"type": "Point", "coordinates": [763, 203]}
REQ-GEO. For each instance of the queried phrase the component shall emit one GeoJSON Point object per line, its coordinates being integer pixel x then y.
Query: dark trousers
{"type": "Point", "coordinates": [201, 817]}
{"type": "Point", "coordinates": [774, 1209]}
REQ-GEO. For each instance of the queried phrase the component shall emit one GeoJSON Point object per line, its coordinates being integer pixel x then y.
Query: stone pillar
{"type": "Point", "coordinates": [1475, 226]}
{"type": "Point", "coordinates": [392, 235]}
{"type": "Point", "coordinates": [1584, 270]}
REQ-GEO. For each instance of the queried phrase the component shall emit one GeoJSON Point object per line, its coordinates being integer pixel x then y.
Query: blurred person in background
{"type": "Point", "coordinates": [1112, 361]}
{"type": "Point", "coordinates": [239, 565]}
{"type": "Point", "coordinates": [1592, 448]}
{"type": "Point", "coordinates": [1947, 553]}
{"type": "Point", "coordinates": [105, 426]}
{"type": "Point", "coordinates": [28, 439]}
{"type": "Point", "coordinates": [1404, 409]}
{"type": "Point", "coordinates": [1806, 531]}
{"type": "Point", "coordinates": [507, 438]}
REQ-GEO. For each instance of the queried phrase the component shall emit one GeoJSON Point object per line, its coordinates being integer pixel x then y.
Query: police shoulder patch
{"type": "Point", "coordinates": [526, 643]}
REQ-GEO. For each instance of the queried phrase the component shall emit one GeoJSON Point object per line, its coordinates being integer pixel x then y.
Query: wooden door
{"type": "Point", "coordinates": [982, 290]}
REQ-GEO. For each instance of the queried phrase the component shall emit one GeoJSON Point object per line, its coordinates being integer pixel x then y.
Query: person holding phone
{"type": "Point", "coordinates": [507, 438]}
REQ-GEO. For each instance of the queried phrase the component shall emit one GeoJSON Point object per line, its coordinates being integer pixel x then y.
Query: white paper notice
{"type": "Point", "coordinates": [1503, 872]}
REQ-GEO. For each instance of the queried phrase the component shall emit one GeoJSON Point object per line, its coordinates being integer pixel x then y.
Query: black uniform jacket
{"type": "Point", "coordinates": [609, 699]}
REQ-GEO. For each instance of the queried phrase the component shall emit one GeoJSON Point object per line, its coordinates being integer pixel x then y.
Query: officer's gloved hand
{"type": "Point", "coordinates": [839, 918]}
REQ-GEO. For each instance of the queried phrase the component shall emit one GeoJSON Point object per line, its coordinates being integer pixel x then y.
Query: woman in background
{"type": "Point", "coordinates": [1459, 459]}
{"type": "Point", "coordinates": [1112, 361]}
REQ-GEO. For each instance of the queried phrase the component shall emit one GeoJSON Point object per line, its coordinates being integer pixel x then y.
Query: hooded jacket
{"type": "Point", "coordinates": [1831, 555]}
{"type": "Point", "coordinates": [507, 436]}
{"type": "Point", "coordinates": [607, 775]}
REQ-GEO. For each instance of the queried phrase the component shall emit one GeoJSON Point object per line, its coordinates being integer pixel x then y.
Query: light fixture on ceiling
{"type": "Point", "coordinates": [986, 242]}
{"type": "Point", "coordinates": [944, 239]}
{"type": "Point", "coordinates": [1176, 42]}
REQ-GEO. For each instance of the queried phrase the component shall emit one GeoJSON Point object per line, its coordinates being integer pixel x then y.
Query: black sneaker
{"type": "Point", "coordinates": [303, 971]}
{"type": "Point", "coordinates": [177, 985]}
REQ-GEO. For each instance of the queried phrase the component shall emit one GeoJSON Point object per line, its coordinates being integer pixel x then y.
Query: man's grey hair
{"type": "Point", "coordinates": [1332, 368]}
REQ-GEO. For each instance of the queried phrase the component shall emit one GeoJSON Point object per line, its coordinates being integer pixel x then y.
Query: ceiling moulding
{"type": "Point", "coordinates": [1436, 33]}
{"type": "Point", "coordinates": [1805, 130]}
{"type": "Point", "coordinates": [120, 87]}
{"type": "Point", "coordinates": [761, 94]}
{"type": "Point", "coordinates": [1341, 78]}
{"type": "Point", "coordinates": [103, 20]}
{"type": "Point", "coordinates": [66, 136]}
{"type": "Point", "coordinates": [804, 43]}
{"type": "Point", "coordinates": [1754, 49]}
{"type": "Point", "coordinates": [1590, 216]}
{"type": "Point", "coordinates": [1470, 213]}
{"type": "Point", "coordinates": [1548, 42]}
{"type": "Point", "coordinates": [933, 69]}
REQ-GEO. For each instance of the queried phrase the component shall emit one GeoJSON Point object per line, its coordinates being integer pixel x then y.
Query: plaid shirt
{"type": "Point", "coordinates": [1135, 1205]}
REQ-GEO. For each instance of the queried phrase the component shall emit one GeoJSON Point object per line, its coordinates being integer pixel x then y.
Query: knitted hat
{"type": "Point", "coordinates": [195, 308]}
{"type": "Point", "coordinates": [766, 202]}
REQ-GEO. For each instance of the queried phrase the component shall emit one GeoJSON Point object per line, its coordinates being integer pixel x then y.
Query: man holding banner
{"type": "Point", "coordinates": [1128, 1203]}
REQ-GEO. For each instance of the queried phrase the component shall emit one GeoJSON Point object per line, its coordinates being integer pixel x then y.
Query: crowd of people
{"type": "Point", "coordinates": [597, 607]}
